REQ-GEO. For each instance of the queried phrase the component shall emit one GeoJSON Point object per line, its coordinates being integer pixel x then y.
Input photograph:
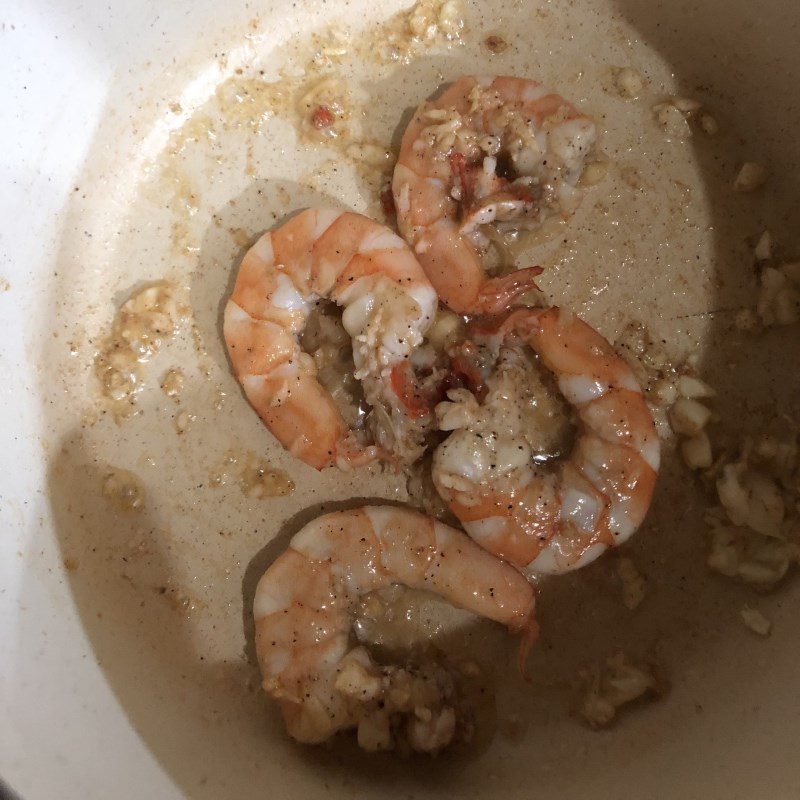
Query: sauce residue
{"type": "Point", "coordinates": [144, 323]}
{"type": "Point", "coordinates": [124, 490]}
{"type": "Point", "coordinates": [254, 476]}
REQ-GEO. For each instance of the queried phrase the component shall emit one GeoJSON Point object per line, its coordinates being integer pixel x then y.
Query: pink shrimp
{"type": "Point", "coordinates": [541, 520]}
{"type": "Point", "coordinates": [388, 305]}
{"type": "Point", "coordinates": [305, 603]}
{"type": "Point", "coordinates": [499, 150]}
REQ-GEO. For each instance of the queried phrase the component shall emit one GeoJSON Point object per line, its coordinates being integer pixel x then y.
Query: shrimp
{"type": "Point", "coordinates": [502, 150]}
{"type": "Point", "coordinates": [487, 471]}
{"type": "Point", "coordinates": [388, 305]}
{"type": "Point", "coordinates": [304, 610]}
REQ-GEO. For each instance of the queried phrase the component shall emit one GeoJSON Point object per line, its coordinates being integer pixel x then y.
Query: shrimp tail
{"type": "Point", "coordinates": [517, 321]}
{"type": "Point", "coordinates": [497, 294]}
{"type": "Point", "coordinates": [530, 633]}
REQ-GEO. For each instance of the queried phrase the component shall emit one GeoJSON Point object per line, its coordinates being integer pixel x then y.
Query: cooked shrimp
{"type": "Point", "coordinates": [502, 150]}
{"type": "Point", "coordinates": [509, 501]}
{"type": "Point", "coordinates": [304, 608]}
{"type": "Point", "coordinates": [388, 305]}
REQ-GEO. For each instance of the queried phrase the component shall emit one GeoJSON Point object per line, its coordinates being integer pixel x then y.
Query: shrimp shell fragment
{"type": "Point", "coordinates": [554, 521]}
{"type": "Point", "coordinates": [388, 305]}
{"type": "Point", "coordinates": [305, 602]}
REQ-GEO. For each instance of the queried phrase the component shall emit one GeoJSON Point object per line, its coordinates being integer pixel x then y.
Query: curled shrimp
{"type": "Point", "coordinates": [304, 609]}
{"type": "Point", "coordinates": [540, 519]}
{"type": "Point", "coordinates": [387, 303]}
{"type": "Point", "coordinates": [488, 150]}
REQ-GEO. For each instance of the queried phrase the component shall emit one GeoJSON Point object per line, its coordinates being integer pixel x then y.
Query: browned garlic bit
{"type": "Point", "coordinates": [178, 599]}
{"type": "Point", "coordinates": [429, 22]}
{"type": "Point", "coordinates": [319, 103]}
{"type": "Point", "coordinates": [144, 323]}
{"type": "Point", "coordinates": [183, 420]}
{"type": "Point", "coordinates": [686, 105]}
{"type": "Point", "coordinates": [709, 125]}
{"type": "Point", "coordinates": [675, 114]}
{"type": "Point", "coordinates": [593, 173]}
{"type": "Point", "coordinates": [628, 82]}
{"type": "Point", "coordinates": [330, 47]}
{"type": "Point", "coordinates": [696, 451]}
{"type": "Point", "coordinates": [412, 707]}
{"type": "Point", "coordinates": [778, 300]}
{"type": "Point", "coordinates": [430, 19]}
{"type": "Point", "coordinates": [653, 370]}
{"type": "Point", "coordinates": [751, 176]}
{"type": "Point", "coordinates": [779, 295]}
{"type": "Point", "coordinates": [763, 248]}
{"type": "Point", "coordinates": [689, 417]}
{"type": "Point", "coordinates": [255, 477]}
{"type": "Point", "coordinates": [612, 685]}
{"type": "Point", "coordinates": [755, 529]}
{"type": "Point", "coordinates": [756, 621]}
{"type": "Point", "coordinates": [172, 383]}
{"type": "Point", "coordinates": [633, 582]}
{"type": "Point", "coordinates": [124, 490]}
{"type": "Point", "coordinates": [672, 120]}
{"type": "Point", "coordinates": [645, 357]}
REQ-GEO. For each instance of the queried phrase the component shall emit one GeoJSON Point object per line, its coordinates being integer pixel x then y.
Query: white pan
{"type": "Point", "coordinates": [131, 152]}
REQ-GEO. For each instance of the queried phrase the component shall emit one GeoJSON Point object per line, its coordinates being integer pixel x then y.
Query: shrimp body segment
{"type": "Point", "coordinates": [304, 607]}
{"type": "Point", "coordinates": [489, 150]}
{"type": "Point", "coordinates": [387, 303]}
{"type": "Point", "coordinates": [547, 520]}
